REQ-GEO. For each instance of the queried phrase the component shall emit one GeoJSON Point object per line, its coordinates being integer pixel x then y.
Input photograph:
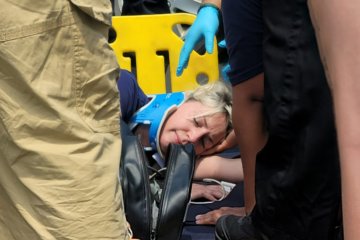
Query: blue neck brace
{"type": "Point", "coordinates": [155, 113]}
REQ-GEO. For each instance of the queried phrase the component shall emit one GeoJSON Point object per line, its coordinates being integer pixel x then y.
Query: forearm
{"type": "Point", "coordinates": [250, 130]}
{"type": "Point", "coordinates": [215, 2]}
{"type": "Point", "coordinates": [218, 168]}
{"type": "Point", "coordinates": [337, 28]}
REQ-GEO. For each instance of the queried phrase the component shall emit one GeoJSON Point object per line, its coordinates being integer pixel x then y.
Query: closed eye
{"type": "Point", "coordinates": [205, 139]}
{"type": "Point", "coordinates": [196, 122]}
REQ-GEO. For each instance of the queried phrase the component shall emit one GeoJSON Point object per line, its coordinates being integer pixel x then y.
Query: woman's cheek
{"type": "Point", "coordinates": [163, 144]}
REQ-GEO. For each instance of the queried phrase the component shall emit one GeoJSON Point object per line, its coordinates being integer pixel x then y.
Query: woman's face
{"type": "Point", "coordinates": [183, 127]}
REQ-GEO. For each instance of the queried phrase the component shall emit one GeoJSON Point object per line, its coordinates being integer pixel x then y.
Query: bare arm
{"type": "Point", "coordinates": [338, 35]}
{"type": "Point", "coordinates": [210, 218]}
{"type": "Point", "coordinates": [249, 126]}
{"type": "Point", "coordinates": [221, 169]}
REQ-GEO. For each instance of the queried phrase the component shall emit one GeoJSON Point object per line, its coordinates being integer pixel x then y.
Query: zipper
{"type": "Point", "coordinates": [147, 185]}
{"type": "Point", "coordinates": [152, 235]}
{"type": "Point", "coordinates": [169, 167]}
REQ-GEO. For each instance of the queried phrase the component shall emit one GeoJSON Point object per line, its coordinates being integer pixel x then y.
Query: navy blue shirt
{"type": "Point", "coordinates": [132, 96]}
{"type": "Point", "coordinates": [244, 30]}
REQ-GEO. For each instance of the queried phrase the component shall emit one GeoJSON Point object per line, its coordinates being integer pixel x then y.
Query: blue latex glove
{"type": "Point", "coordinates": [222, 44]}
{"type": "Point", "coordinates": [227, 68]}
{"type": "Point", "coordinates": [225, 71]}
{"type": "Point", "coordinates": [205, 26]}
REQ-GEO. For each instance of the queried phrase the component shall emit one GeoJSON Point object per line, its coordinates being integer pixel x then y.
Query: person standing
{"type": "Point", "coordinates": [298, 187]}
{"type": "Point", "coordinates": [298, 194]}
{"type": "Point", "coordinates": [243, 25]}
{"type": "Point", "coordinates": [60, 138]}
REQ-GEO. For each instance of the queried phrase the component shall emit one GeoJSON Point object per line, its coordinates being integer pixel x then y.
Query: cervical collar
{"type": "Point", "coordinates": [155, 113]}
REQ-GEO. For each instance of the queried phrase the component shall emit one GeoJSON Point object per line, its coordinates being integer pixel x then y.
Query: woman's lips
{"type": "Point", "coordinates": [177, 139]}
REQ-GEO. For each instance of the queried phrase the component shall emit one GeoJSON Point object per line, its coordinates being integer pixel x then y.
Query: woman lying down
{"type": "Point", "coordinates": [202, 117]}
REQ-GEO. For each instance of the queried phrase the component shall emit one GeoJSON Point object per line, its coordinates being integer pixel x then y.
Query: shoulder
{"type": "Point", "coordinates": [131, 95]}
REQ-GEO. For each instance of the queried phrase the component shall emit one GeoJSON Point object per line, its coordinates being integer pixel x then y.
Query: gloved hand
{"type": "Point", "coordinates": [205, 26]}
{"type": "Point", "coordinates": [227, 68]}
{"type": "Point", "coordinates": [222, 44]}
{"type": "Point", "coordinates": [225, 71]}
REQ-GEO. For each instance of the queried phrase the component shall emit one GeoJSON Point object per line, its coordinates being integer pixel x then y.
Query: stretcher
{"type": "Point", "coordinates": [147, 34]}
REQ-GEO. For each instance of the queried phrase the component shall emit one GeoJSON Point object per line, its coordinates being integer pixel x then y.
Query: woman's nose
{"type": "Point", "coordinates": [195, 135]}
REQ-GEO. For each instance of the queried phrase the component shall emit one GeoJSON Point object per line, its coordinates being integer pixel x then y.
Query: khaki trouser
{"type": "Point", "coordinates": [59, 122]}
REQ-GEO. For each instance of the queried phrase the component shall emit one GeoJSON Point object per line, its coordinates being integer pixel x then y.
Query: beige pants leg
{"type": "Point", "coordinates": [59, 125]}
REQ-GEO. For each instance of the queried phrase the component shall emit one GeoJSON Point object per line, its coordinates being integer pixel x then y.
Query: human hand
{"type": "Point", "coordinates": [229, 142]}
{"type": "Point", "coordinates": [225, 71]}
{"type": "Point", "coordinates": [205, 26]}
{"type": "Point", "coordinates": [210, 192]}
{"type": "Point", "coordinates": [222, 44]}
{"type": "Point", "coordinates": [211, 218]}
{"type": "Point", "coordinates": [227, 68]}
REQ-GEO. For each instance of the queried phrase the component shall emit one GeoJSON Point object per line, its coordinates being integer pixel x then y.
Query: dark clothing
{"type": "Point", "coordinates": [132, 98]}
{"type": "Point", "coordinates": [192, 231]}
{"type": "Point", "coordinates": [243, 26]}
{"type": "Point", "coordinates": [143, 7]}
{"type": "Point", "coordinates": [297, 173]}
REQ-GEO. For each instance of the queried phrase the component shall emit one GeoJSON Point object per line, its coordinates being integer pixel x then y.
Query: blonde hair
{"type": "Point", "coordinates": [216, 96]}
